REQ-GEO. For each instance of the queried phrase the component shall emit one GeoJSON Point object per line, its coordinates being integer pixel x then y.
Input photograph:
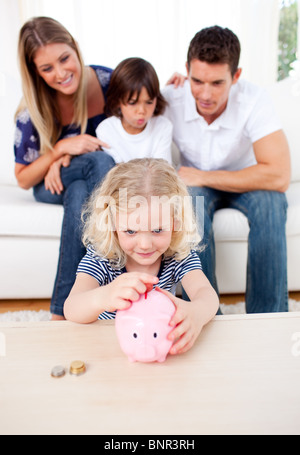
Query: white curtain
{"type": "Point", "coordinates": [158, 30]}
{"type": "Point", "coordinates": [298, 53]}
{"type": "Point", "coordinates": [9, 28]}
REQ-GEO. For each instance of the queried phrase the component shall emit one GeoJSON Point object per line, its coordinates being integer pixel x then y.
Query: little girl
{"type": "Point", "coordinates": [139, 231]}
{"type": "Point", "coordinates": [136, 128]}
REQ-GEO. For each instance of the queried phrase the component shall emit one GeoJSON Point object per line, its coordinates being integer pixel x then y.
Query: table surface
{"type": "Point", "coordinates": [241, 377]}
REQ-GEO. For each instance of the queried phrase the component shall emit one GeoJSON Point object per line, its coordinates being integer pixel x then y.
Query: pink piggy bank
{"type": "Point", "coordinates": [142, 329]}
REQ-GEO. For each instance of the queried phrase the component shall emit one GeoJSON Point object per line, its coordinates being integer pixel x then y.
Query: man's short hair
{"type": "Point", "coordinates": [215, 45]}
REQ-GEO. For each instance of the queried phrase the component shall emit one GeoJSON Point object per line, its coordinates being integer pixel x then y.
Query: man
{"type": "Point", "coordinates": [235, 154]}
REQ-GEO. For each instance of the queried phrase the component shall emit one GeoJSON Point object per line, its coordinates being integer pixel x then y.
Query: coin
{"type": "Point", "coordinates": [77, 367]}
{"type": "Point", "coordinates": [58, 372]}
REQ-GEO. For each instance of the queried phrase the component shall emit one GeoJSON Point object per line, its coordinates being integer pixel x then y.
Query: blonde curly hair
{"type": "Point", "coordinates": [142, 178]}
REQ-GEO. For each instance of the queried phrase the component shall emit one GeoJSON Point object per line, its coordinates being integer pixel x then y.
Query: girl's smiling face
{"type": "Point", "coordinates": [145, 235]}
{"type": "Point", "coordinates": [137, 112]}
{"type": "Point", "coordinates": [59, 66]}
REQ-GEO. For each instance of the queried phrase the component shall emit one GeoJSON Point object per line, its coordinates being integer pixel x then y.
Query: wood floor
{"type": "Point", "coordinates": [36, 305]}
{"type": "Point", "coordinates": [24, 305]}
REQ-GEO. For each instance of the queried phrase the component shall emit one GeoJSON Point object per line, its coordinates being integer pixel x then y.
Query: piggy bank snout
{"type": "Point", "coordinates": [146, 353]}
{"type": "Point", "coordinates": [144, 342]}
{"type": "Point", "coordinates": [153, 344]}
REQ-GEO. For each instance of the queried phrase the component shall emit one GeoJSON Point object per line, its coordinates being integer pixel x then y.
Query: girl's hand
{"type": "Point", "coordinates": [52, 179]}
{"type": "Point", "coordinates": [185, 321]}
{"type": "Point", "coordinates": [79, 145]}
{"type": "Point", "coordinates": [87, 299]}
{"type": "Point", "coordinates": [127, 288]}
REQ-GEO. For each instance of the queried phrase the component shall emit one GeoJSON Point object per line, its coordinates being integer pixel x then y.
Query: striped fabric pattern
{"type": "Point", "coordinates": [171, 271]}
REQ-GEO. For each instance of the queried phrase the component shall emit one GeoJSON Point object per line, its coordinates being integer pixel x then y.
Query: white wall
{"type": "Point", "coordinates": [158, 30]}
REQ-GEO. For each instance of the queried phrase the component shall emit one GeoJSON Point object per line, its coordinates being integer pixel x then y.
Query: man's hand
{"type": "Point", "coordinates": [191, 176]}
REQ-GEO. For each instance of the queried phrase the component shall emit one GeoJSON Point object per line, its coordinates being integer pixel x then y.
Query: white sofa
{"type": "Point", "coordinates": [30, 231]}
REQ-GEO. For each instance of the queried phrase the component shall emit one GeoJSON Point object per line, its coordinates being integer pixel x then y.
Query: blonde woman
{"type": "Point", "coordinates": [140, 232]}
{"type": "Point", "coordinates": [57, 152]}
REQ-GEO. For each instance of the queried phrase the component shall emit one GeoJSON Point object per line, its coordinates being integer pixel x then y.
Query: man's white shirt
{"type": "Point", "coordinates": [227, 142]}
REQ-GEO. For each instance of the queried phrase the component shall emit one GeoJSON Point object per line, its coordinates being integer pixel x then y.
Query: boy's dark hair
{"type": "Point", "coordinates": [128, 79]}
{"type": "Point", "coordinates": [215, 45]}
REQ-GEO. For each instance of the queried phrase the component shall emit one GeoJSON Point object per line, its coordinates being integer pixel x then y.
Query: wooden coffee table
{"type": "Point", "coordinates": [241, 377]}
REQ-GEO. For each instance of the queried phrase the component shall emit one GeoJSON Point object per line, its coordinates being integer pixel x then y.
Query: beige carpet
{"type": "Point", "coordinates": [35, 316]}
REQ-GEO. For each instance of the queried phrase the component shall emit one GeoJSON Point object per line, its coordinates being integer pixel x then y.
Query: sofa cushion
{"type": "Point", "coordinates": [293, 219]}
{"type": "Point", "coordinates": [286, 98]}
{"type": "Point", "coordinates": [22, 216]}
{"type": "Point", "coordinates": [231, 225]}
{"type": "Point", "coordinates": [10, 97]}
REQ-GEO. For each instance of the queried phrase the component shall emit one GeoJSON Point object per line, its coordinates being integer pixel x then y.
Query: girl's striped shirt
{"type": "Point", "coordinates": [170, 273]}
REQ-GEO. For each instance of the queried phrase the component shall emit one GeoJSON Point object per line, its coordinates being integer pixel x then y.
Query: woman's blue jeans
{"type": "Point", "coordinates": [266, 289]}
{"type": "Point", "coordinates": [79, 179]}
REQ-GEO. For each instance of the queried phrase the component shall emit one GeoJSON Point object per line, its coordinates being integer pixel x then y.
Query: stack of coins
{"type": "Point", "coordinates": [77, 367]}
{"type": "Point", "coordinates": [58, 372]}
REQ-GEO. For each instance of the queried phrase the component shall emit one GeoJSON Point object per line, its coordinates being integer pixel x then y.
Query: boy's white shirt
{"type": "Point", "coordinates": [155, 141]}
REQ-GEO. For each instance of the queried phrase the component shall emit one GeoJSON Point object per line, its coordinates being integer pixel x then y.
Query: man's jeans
{"type": "Point", "coordinates": [79, 179]}
{"type": "Point", "coordinates": [266, 289]}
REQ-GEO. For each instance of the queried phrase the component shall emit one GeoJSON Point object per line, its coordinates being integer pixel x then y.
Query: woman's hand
{"type": "Point", "coordinates": [52, 179]}
{"type": "Point", "coordinates": [79, 145]}
{"type": "Point", "coordinates": [65, 149]}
